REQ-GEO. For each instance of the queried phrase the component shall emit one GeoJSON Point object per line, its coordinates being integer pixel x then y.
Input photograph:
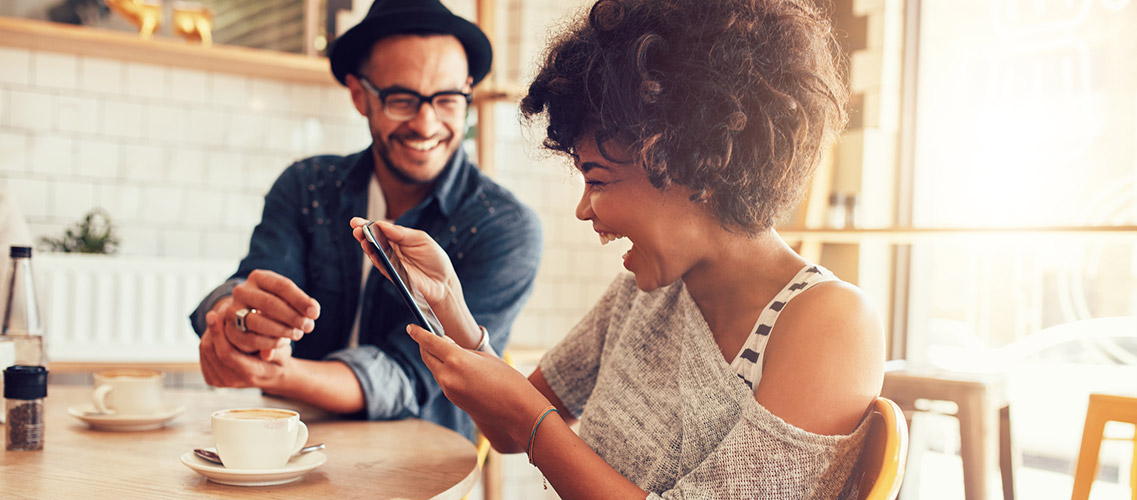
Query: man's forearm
{"type": "Point", "coordinates": [329, 385]}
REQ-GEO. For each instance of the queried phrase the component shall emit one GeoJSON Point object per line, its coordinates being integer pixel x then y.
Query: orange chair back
{"type": "Point", "coordinates": [881, 465]}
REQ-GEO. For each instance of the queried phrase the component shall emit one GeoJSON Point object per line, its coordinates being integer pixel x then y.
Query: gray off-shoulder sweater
{"type": "Point", "coordinates": [657, 400]}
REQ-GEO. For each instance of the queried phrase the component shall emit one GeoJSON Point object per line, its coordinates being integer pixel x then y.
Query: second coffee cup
{"type": "Point", "coordinates": [257, 438]}
{"type": "Point", "coordinates": [128, 391]}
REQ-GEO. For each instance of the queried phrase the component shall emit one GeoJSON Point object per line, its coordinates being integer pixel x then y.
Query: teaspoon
{"type": "Point", "coordinates": [210, 456]}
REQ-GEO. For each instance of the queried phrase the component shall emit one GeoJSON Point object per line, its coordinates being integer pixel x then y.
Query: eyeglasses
{"type": "Point", "coordinates": [402, 104]}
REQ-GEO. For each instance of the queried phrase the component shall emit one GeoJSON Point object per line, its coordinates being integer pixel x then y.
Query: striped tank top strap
{"type": "Point", "coordinates": [748, 363]}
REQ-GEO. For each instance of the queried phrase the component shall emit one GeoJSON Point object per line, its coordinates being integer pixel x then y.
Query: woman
{"type": "Point", "coordinates": [696, 124]}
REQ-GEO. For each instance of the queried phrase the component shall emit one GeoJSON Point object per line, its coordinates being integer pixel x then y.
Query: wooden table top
{"type": "Point", "coordinates": [372, 460]}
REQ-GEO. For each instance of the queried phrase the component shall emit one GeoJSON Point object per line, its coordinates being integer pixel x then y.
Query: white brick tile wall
{"type": "Point", "coordinates": [226, 244]}
{"type": "Point", "coordinates": [98, 158]}
{"type": "Point", "coordinates": [55, 71]}
{"type": "Point", "coordinates": [72, 199]}
{"type": "Point", "coordinates": [188, 166]}
{"type": "Point", "coordinates": [163, 205]}
{"type": "Point", "coordinates": [123, 202]}
{"type": "Point", "coordinates": [204, 207]}
{"type": "Point", "coordinates": [206, 127]}
{"type": "Point", "coordinates": [277, 133]}
{"type": "Point", "coordinates": [52, 155]}
{"type": "Point", "coordinates": [268, 95]}
{"type": "Point", "coordinates": [17, 66]}
{"type": "Point", "coordinates": [225, 170]}
{"type": "Point", "coordinates": [305, 99]}
{"type": "Point", "coordinates": [139, 241]}
{"type": "Point", "coordinates": [29, 110]}
{"type": "Point", "coordinates": [101, 76]}
{"type": "Point", "coordinates": [243, 211]}
{"type": "Point", "coordinates": [32, 194]}
{"type": "Point", "coordinates": [188, 86]}
{"type": "Point", "coordinates": [308, 136]}
{"type": "Point", "coordinates": [246, 129]}
{"type": "Point", "coordinates": [13, 152]}
{"type": "Point", "coordinates": [122, 118]}
{"type": "Point", "coordinates": [336, 102]}
{"type": "Point", "coordinates": [262, 171]}
{"type": "Point", "coordinates": [76, 114]}
{"type": "Point", "coordinates": [144, 162]}
{"type": "Point", "coordinates": [350, 136]}
{"type": "Point", "coordinates": [166, 124]}
{"type": "Point", "coordinates": [182, 243]}
{"type": "Point", "coordinates": [145, 80]}
{"type": "Point", "coordinates": [5, 107]}
{"type": "Point", "coordinates": [228, 90]}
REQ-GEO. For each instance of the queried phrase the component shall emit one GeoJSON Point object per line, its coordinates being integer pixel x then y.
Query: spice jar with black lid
{"type": "Point", "coordinates": [24, 390]}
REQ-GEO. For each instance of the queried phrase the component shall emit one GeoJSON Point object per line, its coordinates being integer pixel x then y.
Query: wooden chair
{"type": "Point", "coordinates": [881, 466]}
{"type": "Point", "coordinates": [490, 467]}
{"type": "Point", "coordinates": [1102, 408]}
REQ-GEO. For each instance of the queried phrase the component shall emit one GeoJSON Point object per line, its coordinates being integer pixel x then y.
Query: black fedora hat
{"type": "Point", "coordinates": [393, 17]}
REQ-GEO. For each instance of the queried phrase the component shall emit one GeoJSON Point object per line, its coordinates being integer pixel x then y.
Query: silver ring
{"type": "Point", "coordinates": [241, 318]}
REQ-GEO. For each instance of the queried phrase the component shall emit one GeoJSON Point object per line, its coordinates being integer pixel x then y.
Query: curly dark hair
{"type": "Point", "coordinates": [735, 99]}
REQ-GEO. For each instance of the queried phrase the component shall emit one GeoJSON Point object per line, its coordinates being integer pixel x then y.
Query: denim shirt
{"type": "Point", "coordinates": [492, 239]}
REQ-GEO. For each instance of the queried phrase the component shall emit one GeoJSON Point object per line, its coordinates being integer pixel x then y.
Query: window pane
{"type": "Point", "coordinates": [1027, 113]}
{"type": "Point", "coordinates": [1027, 116]}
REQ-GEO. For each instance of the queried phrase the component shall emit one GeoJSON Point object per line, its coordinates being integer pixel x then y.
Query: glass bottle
{"type": "Point", "coordinates": [24, 392]}
{"type": "Point", "coordinates": [21, 338]}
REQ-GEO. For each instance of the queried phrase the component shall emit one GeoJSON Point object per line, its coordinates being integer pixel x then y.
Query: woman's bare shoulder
{"type": "Point", "coordinates": [824, 360]}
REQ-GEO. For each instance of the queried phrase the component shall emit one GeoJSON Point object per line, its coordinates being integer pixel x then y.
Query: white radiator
{"type": "Point", "coordinates": [122, 309]}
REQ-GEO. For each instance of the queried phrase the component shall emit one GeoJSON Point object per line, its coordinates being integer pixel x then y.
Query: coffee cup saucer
{"type": "Point", "coordinates": [116, 422]}
{"type": "Point", "coordinates": [296, 467]}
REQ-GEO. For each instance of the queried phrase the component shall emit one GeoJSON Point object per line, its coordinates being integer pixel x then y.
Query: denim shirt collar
{"type": "Point", "coordinates": [447, 190]}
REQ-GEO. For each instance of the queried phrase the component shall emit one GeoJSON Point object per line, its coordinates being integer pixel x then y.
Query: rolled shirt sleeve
{"type": "Point", "coordinates": [388, 392]}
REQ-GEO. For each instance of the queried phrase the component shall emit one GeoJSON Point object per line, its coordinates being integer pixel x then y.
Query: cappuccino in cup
{"type": "Point", "coordinates": [257, 438]}
{"type": "Point", "coordinates": [130, 391]}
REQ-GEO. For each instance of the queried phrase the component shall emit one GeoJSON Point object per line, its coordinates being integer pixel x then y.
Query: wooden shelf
{"type": "Point", "coordinates": [913, 234]}
{"type": "Point", "coordinates": [96, 42]}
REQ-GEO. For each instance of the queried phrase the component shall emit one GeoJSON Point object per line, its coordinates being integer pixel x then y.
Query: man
{"type": "Point", "coordinates": [305, 316]}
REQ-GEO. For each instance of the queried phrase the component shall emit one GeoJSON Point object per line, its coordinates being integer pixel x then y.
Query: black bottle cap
{"type": "Point", "coordinates": [25, 382]}
{"type": "Point", "coordinates": [19, 251]}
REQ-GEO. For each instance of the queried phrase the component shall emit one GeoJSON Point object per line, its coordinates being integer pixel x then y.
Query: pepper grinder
{"type": "Point", "coordinates": [24, 390]}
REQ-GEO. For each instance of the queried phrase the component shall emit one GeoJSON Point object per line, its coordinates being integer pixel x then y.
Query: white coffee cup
{"type": "Point", "coordinates": [130, 391]}
{"type": "Point", "coordinates": [257, 438]}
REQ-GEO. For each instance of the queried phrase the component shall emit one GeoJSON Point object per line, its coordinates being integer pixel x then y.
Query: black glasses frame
{"type": "Point", "coordinates": [382, 94]}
